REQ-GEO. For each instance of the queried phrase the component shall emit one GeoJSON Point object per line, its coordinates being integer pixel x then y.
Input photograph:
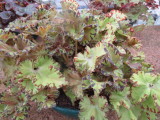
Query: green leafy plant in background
{"type": "Point", "coordinates": [13, 9]}
{"type": "Point", "coordinates": [77, 52]}
{"type": "Point", "coordinates": [134, 9]}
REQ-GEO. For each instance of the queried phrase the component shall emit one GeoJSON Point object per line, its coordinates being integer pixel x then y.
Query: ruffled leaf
{"type": "Point", "coordinates": [117, 15]}
{"type": "Point", "coordinates": [7, 50]}
{"type": "Point", "coordinates": [120, 98]}
{"type": "Point", "coordinates": [71, 95]}
{"type": "Point", "coordinates": [20, 46]}
{"type": "Point", "coordinates": [45, 97]}
{"type": "Point", "coordinates": [42, 31]}
{"type": "Point", "coordinates": [145, 84]}
{"type": "Point", "coordinates": [73, 25]}
{"type": "Point", "coordinates": [29, 86]}
{"type": "Point", "coordinates": [113, 60]}
{"type": "Point", "coordinates": [87, 61]}
{"type": "Point", "coordinates": [90, 34]}
{"type": "Point", "coordinates": [43, 72]}
{"type": "Point", "coordinates": [6, 36]}
{"type": "Point", "coordinates": [97, 86]}
{"type": "Point", "coordinates": [147, 116]}
{"type": "Point", "coordinates": [69, 5]}
{"type": "Point", "coordinates": [135, 12]}
{"type": "Point", "coordinates": [75, 82]}
{"type": "Point", "coordinates": [93, 108]}
{"type": "Point", "coordinates": [126, 114]}
{"type": "Point", "coordinates": [150, 105]}
{"type": "Point", "coordinates": [119, 2]}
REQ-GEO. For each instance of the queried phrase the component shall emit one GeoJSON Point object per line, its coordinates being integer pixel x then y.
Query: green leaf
{"type": "Point", "coordinates": [8, 50]}
{"type": "Point", "coordinates": [75, 82]}
{"type": "Point", "coordinates": [117, 15]}
{"type": "Point", "coordinates": [145, 84]}
{"type": "Point", "coordinates": [69, 5]}
{"type": "Point", "coordinates": [71, 95]}
{"type": "Point", "coordinates": [48, 104]}
{"type": "Point", "coordinates": [21, 46]}
{"type": "Point", "coordinates": [135, 12]}
{"type": "Point", "coordinates": [45, 97]}
{"type": "Point", "coordinates": [119, 2]}
{"type": "Point", "coordinates": [113, 61]}
{"type": "Point", "coordinates": [2, 106]}
{"type": "Point", "coordinates": [102, 23]}
{"type": "Point", "coordinates": [93, 108]}
{"type": "Point", "coordinates": [43, 72]}
{"type": "Point", "coordinates": [155, 90]}
{"type": "Point", "coordinates": [126, 114]}
{"type": "Point", "coordinates": [87, 61]}
{"type": "Point", "coordinates": [78, 91]}
{"type": "Point", "coordinates": [89, 19]}
{"type": "Point", "coordinates": [27, 68]}
{"type": "Point", "coordinates": [39, 97]}
{"type": "Point", "coordinates": [151, 104]}
{"type": "Point", "coordinates": [6, 36]}
{"type": "Point", "coordinates": [140, 93]}
{"type": "Point", "coordinates": [143, 78]}
{"type": "Point", "coordinates": [114, 55]}
{"type": "Point", "coordinates": [112, 27]}
{"type": "Point", "coordinates": [97, 86]}
{"type": "Point", "coordinates": [120, 98]}
{"type": "Point", "coordinates": [118, 73]}
{"type": "Point", "coordinates": [90, 34]}
{"type": "Point", "coordinates": [150, 20]}
{"type": "Point", "coordinates": [132, 113]}
{"type": "Point", "coordinates": [72, 25]}
{"type": "Point", "coordinates": [145, 115]}
{"type": "Point", "coordinates": [29, 86]}
{"type": "Point", "coordinates": [108, 37]}
{"type": "Point", "coordinates": [136, 1]}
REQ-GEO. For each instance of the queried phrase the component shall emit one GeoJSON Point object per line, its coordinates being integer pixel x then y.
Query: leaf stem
{"type": "Point", "coordinates": [76, 48]}
{"type": "Point", "coordinates": [65, 58]}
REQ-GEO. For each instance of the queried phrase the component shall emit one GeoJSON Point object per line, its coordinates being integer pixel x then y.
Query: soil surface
{"type": "Point", "coordinates": [47, 114]}
{"type": "Point", "coordinates": [150, 38]}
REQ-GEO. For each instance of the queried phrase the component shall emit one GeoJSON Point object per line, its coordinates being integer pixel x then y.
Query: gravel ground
{"type": "Point", "coordinates": [150, 38]}
{"type": "Point", "coordinates": [48, 114]}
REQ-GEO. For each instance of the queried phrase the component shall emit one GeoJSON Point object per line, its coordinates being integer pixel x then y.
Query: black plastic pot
{"type": "Point", "coordinates": [72, 113]}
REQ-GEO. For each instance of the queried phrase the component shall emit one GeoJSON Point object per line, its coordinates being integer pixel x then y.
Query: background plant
{"type": "Point", "coordinates": [13, 9]}
{"type": "Point", "coordinates": [134, 9]}
{"type": "Point", "coordinates": [78, 52]}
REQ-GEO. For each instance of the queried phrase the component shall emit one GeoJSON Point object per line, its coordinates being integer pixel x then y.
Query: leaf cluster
{"type": "Point", "coordinates": [77, 52]}
{"type": "Point", "coordinates": [134, 9]}
{"type": "Point", "coordinates": [13, 9]}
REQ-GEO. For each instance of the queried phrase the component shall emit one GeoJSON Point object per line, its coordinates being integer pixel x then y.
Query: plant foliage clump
{"type": "Point", "coordinates": [77, 52]}
{"type": "Point", "coordinates": [13, 9]}
{"type": "Point", "coordinates": [134, 9]}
